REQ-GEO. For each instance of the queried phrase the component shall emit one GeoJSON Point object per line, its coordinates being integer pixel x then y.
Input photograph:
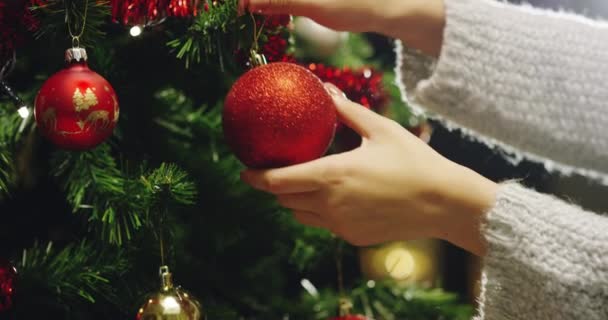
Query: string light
{"type": "Point", "coordinates": [399, 263]}
{"type": "Point", "coordinates": [24, 112]}
{"type": "Point", "coordinates": [136, 31]}
{"type": "Point", "coordinates": [309, 287]}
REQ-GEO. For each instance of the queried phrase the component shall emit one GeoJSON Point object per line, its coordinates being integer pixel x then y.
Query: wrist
{"type": "Point", "coordinates": [418, 23]}
{"type": "Point", "coordinates": [469, 196]}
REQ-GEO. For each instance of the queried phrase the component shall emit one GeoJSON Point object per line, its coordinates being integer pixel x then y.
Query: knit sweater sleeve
{"type": "Point", "coordinates": [533, 82]}
{"type": "Point", "coordinates": [546, 259]}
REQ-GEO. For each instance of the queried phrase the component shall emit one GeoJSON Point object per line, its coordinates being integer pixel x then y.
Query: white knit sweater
{"type": "Point", "coordinates": [534, 83]}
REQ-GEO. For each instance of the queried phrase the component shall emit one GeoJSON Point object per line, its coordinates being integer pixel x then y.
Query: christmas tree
{"type": "Point", "coordinates": [124, 171]}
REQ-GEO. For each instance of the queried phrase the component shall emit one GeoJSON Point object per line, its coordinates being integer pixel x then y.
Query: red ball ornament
{"type": "Point", "coordinates": [76, 108]}
{"type": "Point", "coordinates": [8, 275]}
{"type": "Point", "coordinates": [278, 115]}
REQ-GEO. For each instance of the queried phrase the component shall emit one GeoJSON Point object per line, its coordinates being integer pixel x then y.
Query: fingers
{"type": "Point", "coordinates": [304, 177]}
{"type": "Point", "coordinates": [355, 116]}
{"type": "Point", "coordinates": [309, 219]}
{"type": "Point", "coordinates": [294, 7]}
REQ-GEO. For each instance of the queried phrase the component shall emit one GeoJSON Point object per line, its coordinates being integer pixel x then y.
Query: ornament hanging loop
{"type": "Point", "coordinates": [75, 42]}
{"type": "Point", "coordinates": [166, 278]}
{"type": "Point", "coordinates": [76, 37]}
{"type": "Point", "coordinates": [255, 58]}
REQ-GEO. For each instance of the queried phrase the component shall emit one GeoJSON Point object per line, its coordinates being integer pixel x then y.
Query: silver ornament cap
{"type": "Point", "coordinates": [76, 54]}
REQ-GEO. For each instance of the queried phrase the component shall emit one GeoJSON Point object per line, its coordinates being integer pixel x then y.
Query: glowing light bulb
{"type": "Point", "coordinates": [24, 112]}
{"type": "Point", "coordinates": [136, 31]}
{"type": "Point", "coordinates": [399, 263]}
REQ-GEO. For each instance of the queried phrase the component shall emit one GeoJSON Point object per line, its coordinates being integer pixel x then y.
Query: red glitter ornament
{"type": "Point", "coordinates": [278, 115]}
{"type": "Point", "coordinates": [8, 275]}
{"type": "Point", "coordinates": [76, 108]}
{"type": "Point", "coordinates": [144, 12]}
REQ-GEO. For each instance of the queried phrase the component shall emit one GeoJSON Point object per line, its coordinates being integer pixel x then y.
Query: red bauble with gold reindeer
{"type": "Point", "coordinates": [76, 108]}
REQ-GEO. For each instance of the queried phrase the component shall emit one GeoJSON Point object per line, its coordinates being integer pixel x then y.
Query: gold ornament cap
{"type": "Point", "coordinates": [170, 303]}
{"type": "Point", "coordinates": [345, 306]}
{"type": "Point", "coordinates": [76, 54]}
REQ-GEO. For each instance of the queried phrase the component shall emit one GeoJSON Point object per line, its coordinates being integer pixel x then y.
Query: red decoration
{"type": "Point", "coordinates": [272, 23]}
{"type": "Point", "coordinates": [363, 85]}
{"type": "Point", "coordinates": [17, 22]}
{"type": "Point", "coordinates": [8, 275]}
{"type": "Point", "coordinates": [143, 12]}
{"type": "Point", "coordinates": [278, 115]}
{"type": "Point", "coordinates": [275, 45]}
{"type": "Point", "coordinates": [351, 317]}
{"type": "Point", "coordinates": [275, 49]}
{"type": "Point", "coordinates": [76, 108]}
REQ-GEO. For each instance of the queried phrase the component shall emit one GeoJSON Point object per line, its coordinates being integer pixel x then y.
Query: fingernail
{"type": "Point", "coordinates": [334, 91]}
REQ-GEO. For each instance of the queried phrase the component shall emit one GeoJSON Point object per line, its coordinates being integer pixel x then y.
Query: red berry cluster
{"type": "Point", "coordinates": [274, 22]}
{"type": "Point", "coordinates": [275, 49]}
{"type": "Point", "coordinates": [363, 85]}
{"type": "Point", "coordinates": [276, 44]}
{"type": "Point", "coordinates": [16, 22]}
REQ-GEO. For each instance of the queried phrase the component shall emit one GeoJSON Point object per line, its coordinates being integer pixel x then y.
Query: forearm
{"type": "Point", "coordinates": [530, 81]}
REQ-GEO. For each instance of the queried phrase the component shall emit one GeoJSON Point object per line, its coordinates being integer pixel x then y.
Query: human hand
{"type": "Point", "coordinates": [393, 187]}
{"type": "Point", "coordinates": [417, 22]}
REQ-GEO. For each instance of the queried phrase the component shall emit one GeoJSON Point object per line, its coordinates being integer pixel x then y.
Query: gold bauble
{"type": "Point", "coordinates": [170, 303]}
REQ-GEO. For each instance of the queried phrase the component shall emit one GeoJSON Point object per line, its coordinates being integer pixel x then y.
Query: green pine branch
{"type": "Point", "coordinates": [116, 204]}
{"type": "Point", "coordinates": [12, 129]}
{"type": "Point", "coordinates": [74, 277]}
{"type": "Point", "coordinates": [388, 301]}
{"type": "Point", "coordinates": [8, 126]}
{"type": "Point", "coordinates": [214, 35]}
{"type": "Point", "coordinates": [53, 20]}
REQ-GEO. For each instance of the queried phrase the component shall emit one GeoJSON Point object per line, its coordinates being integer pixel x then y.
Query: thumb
{"type": "Point", "coordinates": [357, 117]}
{"type": "Point", "coordinates": [294, 7]}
